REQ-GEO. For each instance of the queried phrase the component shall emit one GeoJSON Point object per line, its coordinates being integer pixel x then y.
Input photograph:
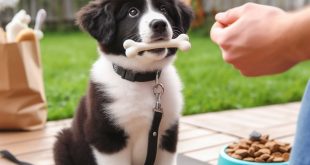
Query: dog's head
{"type": "Point", "coordinates": [111, 22]}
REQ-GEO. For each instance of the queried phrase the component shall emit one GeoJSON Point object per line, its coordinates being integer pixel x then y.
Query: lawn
{"type": "Point", "coordinates": [209, 83]}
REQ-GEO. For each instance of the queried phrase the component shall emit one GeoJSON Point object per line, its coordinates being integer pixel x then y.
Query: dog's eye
{"type": "Point", "coordinates": [163, 9]}
{"type": "Point", "coordinates": [133, 12]}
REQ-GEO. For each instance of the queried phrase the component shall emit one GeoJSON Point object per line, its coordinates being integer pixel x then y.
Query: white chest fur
{"type": "Point", "coordinates": [133, 104]}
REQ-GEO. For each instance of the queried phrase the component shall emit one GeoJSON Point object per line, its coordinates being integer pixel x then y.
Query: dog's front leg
{"type": "Point", "coordinates": [120, 158]}
{"type": "Point", "coordinates": [164, 158]}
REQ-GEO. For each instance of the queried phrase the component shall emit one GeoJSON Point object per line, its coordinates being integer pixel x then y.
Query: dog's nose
{"type": "Point", "coordinates": [158, 26]}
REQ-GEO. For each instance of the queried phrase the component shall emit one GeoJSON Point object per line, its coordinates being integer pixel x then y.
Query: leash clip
{"type": "Point", "coordinates": [158, 91]}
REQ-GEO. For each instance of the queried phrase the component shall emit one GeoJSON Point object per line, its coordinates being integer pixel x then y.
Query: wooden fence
{"type": "Point", "coordinates": [62, 12]}
{"type": "Point", "coordinates": [58, 11]}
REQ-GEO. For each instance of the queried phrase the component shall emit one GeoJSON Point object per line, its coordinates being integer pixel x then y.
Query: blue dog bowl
{"type": "Point", "coordinates": [225, 159]}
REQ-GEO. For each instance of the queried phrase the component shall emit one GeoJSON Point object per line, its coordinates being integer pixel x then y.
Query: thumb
{"type": "Point", "coordinates": [216, 32]}
{"type": "Point", "coordinates": [230, 16]}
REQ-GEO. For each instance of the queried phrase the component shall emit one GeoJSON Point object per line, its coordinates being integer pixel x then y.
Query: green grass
{"type": "Point", "coordinates": [209, 83]}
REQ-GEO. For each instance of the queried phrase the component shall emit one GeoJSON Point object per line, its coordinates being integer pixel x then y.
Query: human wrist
{"type": "Point", "coordinates": [300, 35]}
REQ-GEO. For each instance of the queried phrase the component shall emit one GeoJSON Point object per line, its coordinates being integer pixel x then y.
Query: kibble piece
{"type": "Point", "coordinates": [255, 136]}
{"type": "Point", "coordinates": [246, 141]}
{"type": "Point", "coordinates": [228, 150]}
{"type": "Point", "coordinates": [283, 149]}
{"type": "Point", "coordinates": [259, 160]}
{"type": "Point", "coordinates": [242, 152]}
{"type": "Point", "coordinates": [278, 159]}
{"type": "Point", "coordinates": [273, 146]}
{"type": "Point", "coordinates": [261, 146]}
{"type": "Point", "coordinates": [236, 156]}
{"type": "Point", "coordinates": [277, 154]}
{"type": "Point", "coordinates": [232, 146]}
{"type": "Point", "coordinates": [270, 159]}
{"type": "Point", "coordinates": [265, 151]}
{"type": "Point", "coordinates": [251, 151]}
{"type": "Point", "coordinates": [265, 156]}
{"type": "Point", "coordinates": [258, 154]}
{"type": "Point", "coordinates": [286, 156]}
{"type": "Point", "coordinates": [265, 137]}
{"type": "Point", "coordinates": [250, 159]}
{"type": "Point", "coordinates": [244, 146]}
{"type": "Point", "coordinates": [256, 147]}
{"type": "Point", "coordinates": [289, 148]}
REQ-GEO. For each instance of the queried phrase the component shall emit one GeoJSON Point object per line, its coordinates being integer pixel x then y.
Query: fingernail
{"type": "Point", "coordinates": [220, 16]}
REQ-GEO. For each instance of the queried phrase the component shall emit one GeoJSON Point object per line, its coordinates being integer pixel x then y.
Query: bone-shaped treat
{"type": "Point", "coordinates": [133, 48]}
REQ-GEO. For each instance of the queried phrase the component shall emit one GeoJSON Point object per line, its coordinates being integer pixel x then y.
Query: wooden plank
{"type": "Point", "coordinates": [216, 119]}
{"type": "Point", "coordinates": [194, 134]}
{"type": "Point", "coordinates": [293, 105]}
{"type": "Point", "coordinates": [5, 162]}
{"type": "Point", "coordinates": [289, 139]}
{"type": "Point", "coordinates": [36, 158]}
{"type": "Point", "coordinates": [30, 146]}
{"type": "Point", "coordinates": [273, 115]}
{"type": "Point", "coordinates": [223, 127]}
{"type": "Point", "coordinates": [280, 131]}
{"type": "Point", "coordinates": [16, 137]}
{"type": "Point", "coordinates": [39, 158]}
{"type": "Point", "coordinates": [204, 142]}
{"type": "Point", "coordinates": [186, 127]}
{"type": "Point", "coordinates": [213, 162]}
{"type": "Point", "coordinates": [59, 122]}
{"type": "Point", "coordinates": [207, 154]}
{"type": "Point", "coordinates": [243, 118]}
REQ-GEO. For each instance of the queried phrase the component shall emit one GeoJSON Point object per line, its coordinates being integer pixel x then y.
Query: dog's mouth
{"type": "Point", "coordinates": [158, 50]}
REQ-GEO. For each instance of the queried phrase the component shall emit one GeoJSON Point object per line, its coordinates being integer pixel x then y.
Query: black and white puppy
{"type": "Point", "coordinates": [113, 120]}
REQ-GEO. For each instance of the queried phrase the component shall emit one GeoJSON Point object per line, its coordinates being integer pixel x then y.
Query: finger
{"type": "Point", "coordinates": [216, 32]}
{"type": "Point", "coordinates": [230, 16]}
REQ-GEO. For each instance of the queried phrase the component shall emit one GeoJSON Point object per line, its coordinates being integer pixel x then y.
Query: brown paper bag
{"type": "Point", "coordinates": [22, 97]}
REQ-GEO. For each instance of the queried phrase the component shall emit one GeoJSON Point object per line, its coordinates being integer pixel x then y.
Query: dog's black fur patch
{"type": "Point", "coordinates": [71, 147]}
{"type": "Point", "coordinates": [170, 138]}
{"type": "Point", "coordinates": [99, 128]}
{"type": "Point", "coordinates": [91, 127]}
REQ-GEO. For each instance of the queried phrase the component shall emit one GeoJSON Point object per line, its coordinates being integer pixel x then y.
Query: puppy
{"type": "Point", "coordinates": [113, 120]}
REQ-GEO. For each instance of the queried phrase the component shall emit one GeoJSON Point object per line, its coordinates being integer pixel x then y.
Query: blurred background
{"type": "Point", "coordinates": [61, 13]}
{"type": "Point", "coordinates": [209, 83]}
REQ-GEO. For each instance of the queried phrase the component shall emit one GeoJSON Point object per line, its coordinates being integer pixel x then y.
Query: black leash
{"type": "Point", "coordinates": [153, 139]}
{"type": "Point", "coordinates": [7, 155]}
{"type": "Point", "coordinates": [158, 91]}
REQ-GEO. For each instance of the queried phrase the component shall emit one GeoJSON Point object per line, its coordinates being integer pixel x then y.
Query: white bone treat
{"type": "Point", "coordinates": [133, 48]}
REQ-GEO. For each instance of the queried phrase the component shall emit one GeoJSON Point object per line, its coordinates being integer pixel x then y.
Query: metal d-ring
{"type": "Point", "coordinates": [158, 89]}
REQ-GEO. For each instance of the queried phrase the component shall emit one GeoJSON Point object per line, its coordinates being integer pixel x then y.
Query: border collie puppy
{"type": "Point", "coordinates": [112, 123]}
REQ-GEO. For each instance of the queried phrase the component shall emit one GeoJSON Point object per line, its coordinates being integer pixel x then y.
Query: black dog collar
{"type": "Point", "coordinates": [132, 76]}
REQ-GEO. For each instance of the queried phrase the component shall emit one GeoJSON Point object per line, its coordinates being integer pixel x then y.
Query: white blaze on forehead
{"type": "Point", "coordinates": [151, 14]}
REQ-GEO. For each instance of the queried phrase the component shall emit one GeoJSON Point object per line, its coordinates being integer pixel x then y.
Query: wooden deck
{"type": "Point", "coordinates": [201, 136]}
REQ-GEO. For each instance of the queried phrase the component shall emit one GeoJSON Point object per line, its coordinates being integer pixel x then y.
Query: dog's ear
{"type": "Point", "coordinates": [97, 19]}
{"type": "Point", "coordinates": [187, 15]}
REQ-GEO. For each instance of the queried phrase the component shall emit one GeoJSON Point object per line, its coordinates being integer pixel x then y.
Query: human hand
{"type": "Point", "coordinates": [256, 39]}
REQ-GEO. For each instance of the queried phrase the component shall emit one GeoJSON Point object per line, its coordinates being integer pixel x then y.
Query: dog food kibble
{"type": "Point", "coordinates": [259, 148]}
